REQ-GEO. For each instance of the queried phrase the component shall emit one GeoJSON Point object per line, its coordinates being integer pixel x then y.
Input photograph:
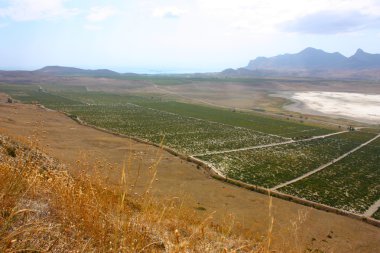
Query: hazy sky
{"type": "Point", "coordinates": [172, 36]}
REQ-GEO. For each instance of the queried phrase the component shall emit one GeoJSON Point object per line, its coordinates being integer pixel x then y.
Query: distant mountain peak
{"type": "Point", "coordinates": [311, 50]}
{"type": "Point", "coordinates": [360, 52]}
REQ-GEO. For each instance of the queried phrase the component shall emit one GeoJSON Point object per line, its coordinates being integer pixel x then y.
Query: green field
{"type": "Point", "coordinates": [187, 135]}
{"type": "Point", "coordinates": [253, 121]}
{"type": "Point", "coordinates": [59, 98]}
{"type": "Point", "coordinates": [271, 166]}
{"type": "Point", "coordinates": [351, 184]}
{"type": "Point", "coordinates": [32, 94]}
{"type": "Point", "coordinates": [247, 120]}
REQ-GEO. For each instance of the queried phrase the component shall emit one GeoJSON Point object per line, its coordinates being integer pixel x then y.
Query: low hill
{"type": "Point", "coordinates": [70, 71]}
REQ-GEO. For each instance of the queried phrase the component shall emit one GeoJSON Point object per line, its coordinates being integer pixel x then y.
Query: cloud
{"type": "Point", "coordinates": [264, 17]}
{"type": "Point", "coordinates": [168, 12]}
{"type": "Point", "coordinates": [331, 22]}
{"type": "Point", "coordinates": [27, 10]}
{"type": "Point", "coordinates": [92, 27]}
{"type": "Point", "coordinates": [100, 13]}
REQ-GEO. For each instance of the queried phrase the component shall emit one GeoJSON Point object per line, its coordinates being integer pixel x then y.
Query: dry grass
{"type": "Point", "coordinates": [44, 209]}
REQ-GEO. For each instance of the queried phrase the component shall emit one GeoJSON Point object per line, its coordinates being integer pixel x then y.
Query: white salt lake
{"type": "Point", "coordinates": [357, 106]}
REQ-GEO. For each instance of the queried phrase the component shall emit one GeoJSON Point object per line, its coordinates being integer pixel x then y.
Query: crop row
{"type": "Point", "coordinates": [271, 166]}
{"type": "Point", "coordinates": [351, 184]}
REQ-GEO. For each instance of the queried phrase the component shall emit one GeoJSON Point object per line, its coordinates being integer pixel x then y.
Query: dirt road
{"type": "Point", "coordinates": [324, 165]}
{"type": "Point", "coordinates": [295, 225]}
{"type": "Point", "coordinates": [270, 145]}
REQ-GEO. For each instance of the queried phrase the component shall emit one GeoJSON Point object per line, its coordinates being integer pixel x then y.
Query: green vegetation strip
{"type": "Point", "coordinates": [271, 166]}
{"type": "Point", "coordinates": [351, 184]}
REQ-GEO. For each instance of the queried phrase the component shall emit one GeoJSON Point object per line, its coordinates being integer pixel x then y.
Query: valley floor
{"type": "Point", "coordinates": [64, 139]}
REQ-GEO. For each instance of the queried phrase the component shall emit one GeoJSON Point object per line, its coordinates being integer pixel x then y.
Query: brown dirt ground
{"type": "Point", "coordinates": [68, 141]}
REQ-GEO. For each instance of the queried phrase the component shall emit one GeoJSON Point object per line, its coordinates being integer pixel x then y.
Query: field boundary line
{"type": "Point", "coordinates": [271, 144]}
{"type": "Point", "coordinates": [325, 165]}
{"type": "Point", "coordinates": [372, 209]}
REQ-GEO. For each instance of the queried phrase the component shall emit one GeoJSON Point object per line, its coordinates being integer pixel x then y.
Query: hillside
{"type": "Point", "coordinates": [44, 209]}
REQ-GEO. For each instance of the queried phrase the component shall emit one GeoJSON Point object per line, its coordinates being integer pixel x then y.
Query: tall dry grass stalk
{"type": "Point", "coordinates": [44, 209]}
{"type": "Point", "coordinates": [271, 222]}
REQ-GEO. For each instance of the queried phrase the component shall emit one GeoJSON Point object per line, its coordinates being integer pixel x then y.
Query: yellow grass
{"type": "Point", "coordinates": [44, 209]}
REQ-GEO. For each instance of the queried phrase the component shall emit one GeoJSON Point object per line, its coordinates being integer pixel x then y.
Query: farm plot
{"type": "Point", "coordinates": [60, 96]}
{"type": "Point", "coordinates": [271, 166]}
{"type": "Point", "coordinates": [185, 134]}
{"type": "Point", "coordinates": [254, 121]}
{"type": "Point", "coordinates": [376, 215]}
{"type": "Point", "coordinates": [32, 94]}
{"type": "Point", "coordinates": [352, 184]}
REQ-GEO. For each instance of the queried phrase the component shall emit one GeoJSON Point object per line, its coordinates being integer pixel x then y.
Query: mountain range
{"type": "Point", "coordinates": [313, 62]}
{"type": "Point", "coordinates": [310, 62]}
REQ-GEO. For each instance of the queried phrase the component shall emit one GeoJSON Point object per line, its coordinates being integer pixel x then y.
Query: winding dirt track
{"type": "Point", "coordinates": [68, 141]}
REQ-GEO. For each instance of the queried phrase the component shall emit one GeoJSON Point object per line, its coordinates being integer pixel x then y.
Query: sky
{"type": "Point", "coordinates": [167, 36]}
